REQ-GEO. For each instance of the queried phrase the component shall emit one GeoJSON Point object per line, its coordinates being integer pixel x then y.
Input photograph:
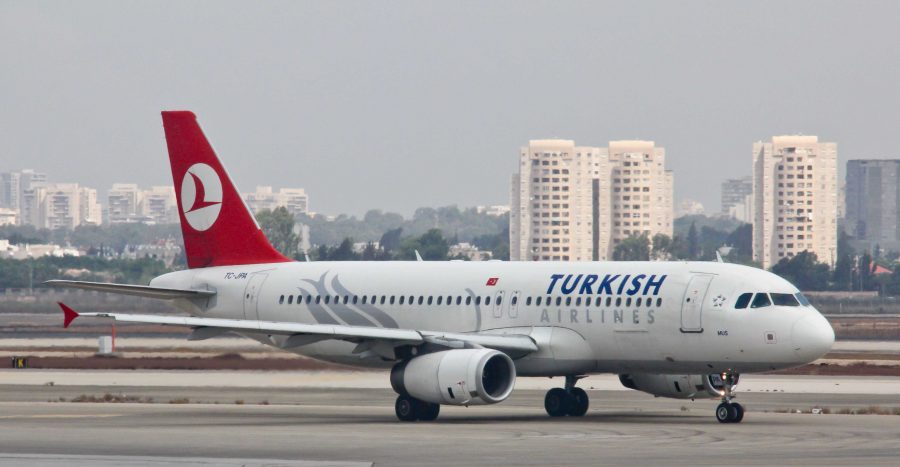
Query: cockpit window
{"type": "Point", "coordinates": [802, 299]}
{"type": "Point", "coordinates": [784, 299]}
{"type": "Point", "coordinates": [743, 301]}
{"type": "Point", "coordinates": [760, 300]}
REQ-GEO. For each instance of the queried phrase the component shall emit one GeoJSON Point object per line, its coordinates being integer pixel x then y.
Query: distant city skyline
{"type": "Point", "coordinates": [410, 104]}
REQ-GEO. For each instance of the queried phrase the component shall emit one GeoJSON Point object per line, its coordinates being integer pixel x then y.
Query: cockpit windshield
{"type": "Point", "coordinates": [784, 299]}
{"type": "Point", "coordinates": [760, 300]}
{"type": "Point", "coordinates": [802, 299]}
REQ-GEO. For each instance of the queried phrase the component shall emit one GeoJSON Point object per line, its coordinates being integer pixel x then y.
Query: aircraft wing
{"type": "Point", "coordinates": [517, 343]}
{"type": "Point", "coordinates": [136, 290]}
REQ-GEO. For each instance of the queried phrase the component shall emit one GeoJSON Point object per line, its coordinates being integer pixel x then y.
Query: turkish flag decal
{"type": "Point", "coordinates": [493, 281]}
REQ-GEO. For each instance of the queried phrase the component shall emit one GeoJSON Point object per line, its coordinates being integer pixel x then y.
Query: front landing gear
{"type": "Point", "coordinates": [570, 401]}
{"type": "Point", "coordinates": [729, 411]}
{"type": "Point", "coordinates": [410, 409]}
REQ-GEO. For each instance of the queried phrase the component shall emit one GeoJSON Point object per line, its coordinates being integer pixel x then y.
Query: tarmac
{"type": "Point", "coordinates": [243, 421]}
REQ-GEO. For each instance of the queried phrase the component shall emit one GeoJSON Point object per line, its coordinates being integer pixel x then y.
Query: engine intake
{"type": "Point", "coordinates": [676, 386]}
{"type": "Point", "coordinates": [456, 377]}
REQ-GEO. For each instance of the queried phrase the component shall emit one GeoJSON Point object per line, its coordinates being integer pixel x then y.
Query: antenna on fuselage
{"type": "Point", "coordinates": [719, 257]}
{"type": "Point", "coordinates": [418, 256]}
{"type": "Point", "coordinates": [306, 255]}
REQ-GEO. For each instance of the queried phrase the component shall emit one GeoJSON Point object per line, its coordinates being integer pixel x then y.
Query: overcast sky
{"type": "Point", "coordinates": [396, 105]}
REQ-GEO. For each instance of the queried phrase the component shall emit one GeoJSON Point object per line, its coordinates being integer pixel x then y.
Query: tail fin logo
{"type": "Point", "coordinates": [201, 196]}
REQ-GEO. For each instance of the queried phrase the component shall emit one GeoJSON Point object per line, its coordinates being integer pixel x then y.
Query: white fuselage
{"type": "Point", "coordinates": [593, 317]}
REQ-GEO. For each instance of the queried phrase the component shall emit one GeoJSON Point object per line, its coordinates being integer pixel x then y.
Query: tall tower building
{"type": "Point", "coordinates": [794, 199]}
{"type": "Point", "coordinates": [873, 202]}
{"type": "Point", "coordinates": [736, 193]}
{"type": "Point", "coordinates": [574, 203]}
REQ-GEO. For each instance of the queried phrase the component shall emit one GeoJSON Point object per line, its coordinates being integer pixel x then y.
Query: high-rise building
{"type": "Point", "coordinates": [122, 204]}
{"type": "Point", "coordinates": [60, 206]}
{"type": "Point", "coordinates": [10, 190]}
{"type": "Point", "coordinates": [734, 192]}
{"type": "Point", "coordinates": [794, 199]}
{"type": "Point", "coordinates": [158, 205]}
{"type": "Point", "coordinates": [873, 202]}
{"type": "Point", "coordinates": [573, 203]}
{"type": "Point", "coordinates": [295, 200]}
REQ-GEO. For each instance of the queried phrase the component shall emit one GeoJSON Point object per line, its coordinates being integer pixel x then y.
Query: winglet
{"type": "Point", "coordinates": [418, 256]}
{"type": "Point", "coordinates": [69, 314]}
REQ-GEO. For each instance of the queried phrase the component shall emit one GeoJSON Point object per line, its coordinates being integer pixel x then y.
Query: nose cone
{"type": "Point", "coordinates": [812, 337]}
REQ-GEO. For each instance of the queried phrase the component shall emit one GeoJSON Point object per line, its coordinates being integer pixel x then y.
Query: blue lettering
{"type": "Point", "coordinates": [586, 285]}
{"type": "Point", "coordinates": [566, 289]}
{"type": "Point", "coordinates": [553, 280]}
{"type": "Point", "coordinates": [606, 284]}
{"type": "Point", "coordinates": [622, 284]}
{"type": "Point", "coordinates": [636, 284]}
{"type": "Point", "coordinates": [655, 284]}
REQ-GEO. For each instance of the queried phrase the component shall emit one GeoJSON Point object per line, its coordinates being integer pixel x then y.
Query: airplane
{"type": "Point", "coordinates": [460, 333]}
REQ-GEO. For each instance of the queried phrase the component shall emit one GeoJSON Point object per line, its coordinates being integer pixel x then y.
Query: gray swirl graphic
{"type": "Point", "coordinates": [375, 313]}
{"type": "Point", "coordinates": [342, 311]}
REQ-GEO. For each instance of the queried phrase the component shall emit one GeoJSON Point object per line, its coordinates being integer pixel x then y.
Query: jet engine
{"type": "Point", "coordinates": [676, 386]}
{"type": "Point", "coordinates": [456, 377]}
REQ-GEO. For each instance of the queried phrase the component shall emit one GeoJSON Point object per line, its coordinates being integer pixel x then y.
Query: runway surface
{"type": "Point", "coordinates": [306, 425]}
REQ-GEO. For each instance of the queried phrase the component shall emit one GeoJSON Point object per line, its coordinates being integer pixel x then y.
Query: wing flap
{"type": "Point", "coordinates": [136, 290]}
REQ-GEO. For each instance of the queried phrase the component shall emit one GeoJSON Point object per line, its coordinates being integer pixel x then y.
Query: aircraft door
{"type": "Point", "coordinates": [251, 295]}
{"type": "Point", "coordinates": [692, 304]}
{"type": "Point", "coordinates": [498, 304]}
{"type": "Point", "coordinates": [514, 305]}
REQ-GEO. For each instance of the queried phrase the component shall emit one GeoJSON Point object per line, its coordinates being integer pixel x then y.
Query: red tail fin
{"type": "Point", "coordinates": [218, 228]}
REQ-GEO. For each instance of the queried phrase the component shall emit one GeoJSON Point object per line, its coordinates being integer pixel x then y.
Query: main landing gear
{"type": "Point", "coordinates": [410, 409]}
{"type": "Point", "coordinates": [570, 400]}
{"type": "Point", "coordinates": [729, 411]}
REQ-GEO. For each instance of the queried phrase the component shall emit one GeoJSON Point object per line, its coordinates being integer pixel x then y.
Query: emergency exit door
{"type": "Point", "coordinates": [692, 304]}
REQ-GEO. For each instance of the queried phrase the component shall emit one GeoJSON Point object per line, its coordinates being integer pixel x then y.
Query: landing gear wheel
{"type": "Point", "coordinates": [728, 412]}
{"type": "Point", "coordinates": [406, 408]}
{"type": "Point", "coordinates": [723, 412]}
{"type": "Point", "coordinates": [578, 402]}
{"type": "Point", "coordinates": [739, 412]}
{"type": "Point", "coordinates": [557, 402]}
{"type": "Point", "coordinates": [427, 411]}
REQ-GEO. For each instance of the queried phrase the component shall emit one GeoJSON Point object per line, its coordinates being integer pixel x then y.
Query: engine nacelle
{"type": "Point", "coordinates": [676, 386]}
{"type": "Point", "coordinates": [456, 377]}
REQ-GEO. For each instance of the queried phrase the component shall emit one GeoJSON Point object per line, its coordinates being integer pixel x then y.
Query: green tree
{"type": "Point", "coordinates": [842, 276]}
{"type": "Point", "coordinates": [804, 271]}
{"type": "Point", "coordinates": [633, 248]}
{"type": "Point", "coordinates": [431, 245]}
{"type": "Point", "coordinates": [662, 246]}
{"type": "Point", "coordinates": [278, 225]}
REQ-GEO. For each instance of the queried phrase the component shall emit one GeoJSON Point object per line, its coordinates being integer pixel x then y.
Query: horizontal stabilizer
{"type": "Point", "coordinates": [136, 290]}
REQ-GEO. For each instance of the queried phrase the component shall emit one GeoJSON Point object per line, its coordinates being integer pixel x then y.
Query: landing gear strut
{"type": "Point", "coordinates": [729, 411]}
{"type": "Point", "coordinates": [410, 409]}
{"type": "Point", "coordinates": [570, 401]}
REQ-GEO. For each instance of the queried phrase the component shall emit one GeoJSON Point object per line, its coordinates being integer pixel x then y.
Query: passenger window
{"type": "Point", "coordinates": [499, 300]}
{"type": "Point", "coordinates": [458, 300]}
{"type": "Point", "coordinates": [308, 299]}
{"type": "Point", "coordinates": [291, 300]}
{"type": "Point", "coordinates": [440, 299]}
{"type": "Point", "coordinates": [638, 302]}
{"type": "Point", "coordinates": [608, 301]}
{"type": "Point", "coordinates": [568, 301]}
{"type": "Point", "coordinates": [760, 300]}
{"type": "Point", "coordinates": [558, 301]}
{"type": "Point", "coordinates": [365, 297]}
{"type": "Point", "coordinates": [402, 298]}
{"type": "Point", "coordinates": [355, 298]}
{"type": "Point", "coordinates": [281, 300]}
{"type": "Point", "coordinates": [649, 302]}
{"type": "Point", "coordinates": [318, 299]}
{"type": "Point", "coordinates": [337, 299]}
{"type": "Point", "coordinates": [802, 299]}
{"type": "Point", "coordinates": [327, 299]}
{"type": "Point", "coordinates": [487, 301]}
{"type": "Point", "coordinates": [628, 301]}
{"type": "Point", "coordinates": [411, 299]}
{"type": "Point", "coordinates": [514, 300]}
{"type": "Point", "coordinates": [618, 301]}
{"type": "Point", "coordinates": [449, 300]}
{"type": "Point", "coordinates": [430, 299]}
{"type": "Point", "coordinates": [469, 300]}
{"type": "Point", "coordinates": [597, 302]}
{"type": "Point", "coordinates": [478, 300]}
{"type": "Point", "coordinates": [538, 301]}
{"type": "Point", "coordinates": [346, 299]}
{"type": "Point", "coordinates": [743, 301]}
{"type": "Point", "coordinates": [784, 299]}
{"type": "Point", "coordinates": [578, 301]}
{"type": "Point", "coordinates": [527, 301]}
{"type": "Point", "coordinates": [659, 302]}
